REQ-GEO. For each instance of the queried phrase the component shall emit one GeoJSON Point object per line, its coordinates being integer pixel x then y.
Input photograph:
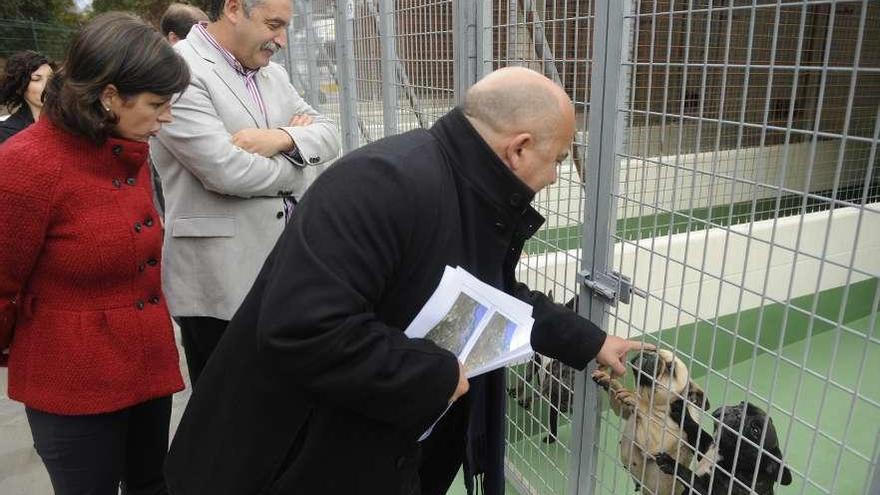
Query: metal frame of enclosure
{"type": "Point", "coordinates": [721, 200]}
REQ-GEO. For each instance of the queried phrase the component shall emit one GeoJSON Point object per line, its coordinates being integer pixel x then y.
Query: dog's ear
{"type": "Point", "coordinates": [697, 396]}
{"type": "Point", "coordinates": [550, 295]}
{"type": "Point", "coordinates": [786, 476]}
{"type": "Point", "coordinates": [771, 466]}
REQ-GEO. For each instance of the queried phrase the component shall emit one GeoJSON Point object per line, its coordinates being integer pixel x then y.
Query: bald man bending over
{"type": "Point", "coordinates": [314, 388]}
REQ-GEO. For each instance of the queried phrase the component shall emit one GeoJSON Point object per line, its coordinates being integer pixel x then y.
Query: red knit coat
{"type": "Point", "coordinates": [80, 244]}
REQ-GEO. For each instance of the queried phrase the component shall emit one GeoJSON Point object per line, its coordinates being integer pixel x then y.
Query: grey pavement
{"type": "Point", "coordinates": [21, 470]}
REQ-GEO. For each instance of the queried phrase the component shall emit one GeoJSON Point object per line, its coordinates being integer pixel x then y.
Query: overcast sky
{"type": "Point", "coordinates": [82, 4]}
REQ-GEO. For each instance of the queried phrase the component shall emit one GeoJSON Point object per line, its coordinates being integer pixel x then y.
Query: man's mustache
{"type": "Point", "coordinates": [271, 46]}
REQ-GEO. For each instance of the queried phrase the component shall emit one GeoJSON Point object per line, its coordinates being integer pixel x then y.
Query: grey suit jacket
{"type": "Point", "coordinates": [223, 205]}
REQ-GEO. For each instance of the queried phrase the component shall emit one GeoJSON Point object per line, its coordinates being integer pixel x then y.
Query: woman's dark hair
{"type": "Point", "coordinates": [114, 48]}
{"type": "Point", "coordinates": [19, 68]}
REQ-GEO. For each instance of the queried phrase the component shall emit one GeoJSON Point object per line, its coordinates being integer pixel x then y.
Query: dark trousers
{"type": "Point", "coordinates": [199, 335]}
{"type": "Point", "coordinates": [92, 454]}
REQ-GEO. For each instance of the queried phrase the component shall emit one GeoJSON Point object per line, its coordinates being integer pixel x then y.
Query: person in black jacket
{"type": "Point", "coordinates": [314, 388]}
{"type": "Point", "coordinates": [21, 90]}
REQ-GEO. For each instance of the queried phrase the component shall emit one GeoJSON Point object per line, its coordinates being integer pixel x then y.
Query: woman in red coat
{"type": "Point", "coordinates": [93, 355]}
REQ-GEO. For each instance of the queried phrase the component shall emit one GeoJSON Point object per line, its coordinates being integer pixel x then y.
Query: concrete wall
{"type": "Point", "coordinates": [669, 267]}
{"type": "Point", "coordinates": [657, 184]}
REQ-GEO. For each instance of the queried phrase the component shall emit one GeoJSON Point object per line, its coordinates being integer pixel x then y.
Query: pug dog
{"type": "Point", "coordinates": [738, 469]}
{"type": "Point", "coordinates": [650, 424]}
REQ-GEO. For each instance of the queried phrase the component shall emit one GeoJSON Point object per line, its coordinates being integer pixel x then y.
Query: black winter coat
{"type": "Point", "coordinates": [314, 388]}
{"type": "Point", "coordinates": [16, 123]}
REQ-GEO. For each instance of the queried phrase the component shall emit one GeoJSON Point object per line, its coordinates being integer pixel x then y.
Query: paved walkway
{"type": "Point", "coordinates": [21, 470]}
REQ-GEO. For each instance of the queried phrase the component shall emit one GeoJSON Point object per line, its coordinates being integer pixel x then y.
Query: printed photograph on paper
{"type": "Point", "coordinates": [493, 343]}
{"type": "Point", "coordinates": [454, 330]}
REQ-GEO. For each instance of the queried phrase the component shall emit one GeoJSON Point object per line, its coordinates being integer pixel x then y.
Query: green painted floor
{"type": "Point", "coordinates": [819, 461]}
{"type": "Point", "coordinates": [823, 464]}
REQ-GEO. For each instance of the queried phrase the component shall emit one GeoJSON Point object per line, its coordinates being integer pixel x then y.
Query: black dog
{"type": "Point", "coordinates": [554, 382]}
{"type": "Point", "coordinates": [751, 463]}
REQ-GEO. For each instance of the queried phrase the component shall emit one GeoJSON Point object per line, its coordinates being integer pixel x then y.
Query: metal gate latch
{"type": "Point", "coordinates": [612, 287]}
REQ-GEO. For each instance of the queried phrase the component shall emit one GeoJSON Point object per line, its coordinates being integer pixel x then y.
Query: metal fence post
{"type": "Point", "coordinates": [34, 36]}
{"type": "Point", "coordinates": [346, 69]}
{"type": "Point", "coordinates": [512, 28]}
{"type": "Point", "coordinates": [288, 57]}
{"type": "Point", "coordinates": [472, 42]}
{"type": "Point", "coordinates": [542, 46]}
{"type": "Point", "coordinates": [605, 138]}
{"type": "Point", "coordinates": [387, 30]}
{"type": "Point", "coordinates": [463, 43]}
{"type": "Point", "coordinates": [483, 26]}
{"type": "Point", "coordinates": [311, 51]}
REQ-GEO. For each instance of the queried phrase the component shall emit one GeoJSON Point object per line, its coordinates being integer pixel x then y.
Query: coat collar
{"type": "Point", "coordinates": [129, 154]}
{"type": "Point", "coordinates": [126, 154]}
{"type": "Point", "coordinates": [16, 122]}
{"type": "Point", "coordinates": [472, 158]}
{"type": "Point", "coordinates": [231, 76]}
{"type": "Point", "coordinates": [23, 116]}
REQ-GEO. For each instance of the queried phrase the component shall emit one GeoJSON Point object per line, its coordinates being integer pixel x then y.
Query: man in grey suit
{"type": "Point", "coordinates": [243, 147]}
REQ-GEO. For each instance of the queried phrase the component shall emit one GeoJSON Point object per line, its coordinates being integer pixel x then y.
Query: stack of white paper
{"type": "Point", "coordinates": [483, 326]}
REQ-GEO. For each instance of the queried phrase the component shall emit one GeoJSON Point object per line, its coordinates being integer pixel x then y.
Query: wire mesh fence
{"type": "Point", "coordinates": [310, 58]}
{"type": "Point", "coordinates": [554, 38]}
{"type": "Point", "coordinates": [49, 39]}
{"type": "Point", "coordinates": [747, 192]}
{"type": "Point", "coordinates": [725, 161]}
{"type": "Point", "coordinates": [389, 62]}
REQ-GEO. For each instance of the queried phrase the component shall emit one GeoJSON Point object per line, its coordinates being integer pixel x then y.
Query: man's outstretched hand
{"type": "Point", "coordinates": [614, 350]}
